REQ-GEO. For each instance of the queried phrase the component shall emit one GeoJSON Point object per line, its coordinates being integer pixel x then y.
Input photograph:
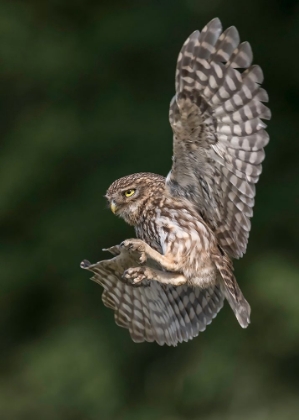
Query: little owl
{"type": "Point", "coordinates": [167, 284]}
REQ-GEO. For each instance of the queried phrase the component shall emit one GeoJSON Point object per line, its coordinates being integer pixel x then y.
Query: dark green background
{"type": "Point", "coordinates": [85, 88]}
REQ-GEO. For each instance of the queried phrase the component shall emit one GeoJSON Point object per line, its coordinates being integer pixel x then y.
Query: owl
{"type": "Point", "coordinates": [168, 283]}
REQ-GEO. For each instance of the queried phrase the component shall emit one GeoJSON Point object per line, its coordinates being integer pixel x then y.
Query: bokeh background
{"type": "Point", "coordinates": [85, 88]}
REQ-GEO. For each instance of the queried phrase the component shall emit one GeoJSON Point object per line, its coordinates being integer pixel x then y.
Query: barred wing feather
{"type": "Point", "coordinates": [218, 132]}
{"type": "Point", "coordinates": [154, 312]}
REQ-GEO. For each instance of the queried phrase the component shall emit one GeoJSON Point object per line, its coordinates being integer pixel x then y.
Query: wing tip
{"type": "Point", "coordinates": [85, 264]}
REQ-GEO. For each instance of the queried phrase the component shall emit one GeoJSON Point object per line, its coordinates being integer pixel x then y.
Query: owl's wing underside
{"type": "Point", "coordinates": [218, 133]}
{"type": "Point", "coordinates": [154, 312]}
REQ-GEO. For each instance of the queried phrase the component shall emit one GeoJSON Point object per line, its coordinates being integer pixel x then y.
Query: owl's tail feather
{"type": "Point", "coordinates": [232, 291]}
{"type": "Point", "coordinates": [239, 305]}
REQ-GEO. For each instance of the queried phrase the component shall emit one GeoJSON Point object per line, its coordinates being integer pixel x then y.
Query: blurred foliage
{"type": "Point", "coordinates": [85, 88]}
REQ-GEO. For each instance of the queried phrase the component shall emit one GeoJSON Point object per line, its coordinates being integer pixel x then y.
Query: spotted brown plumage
{"type": "Point", "coordinates": [170, 282]}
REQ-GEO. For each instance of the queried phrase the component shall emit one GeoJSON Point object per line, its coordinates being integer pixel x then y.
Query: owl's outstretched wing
{"type": "Point", "coordinates": [154, 312]}
{"type": "Point", "coordinates": [218, 133]}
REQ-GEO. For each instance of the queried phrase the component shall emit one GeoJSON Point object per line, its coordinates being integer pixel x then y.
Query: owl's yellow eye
{"type": "Point", "coordinates": [129, 193]}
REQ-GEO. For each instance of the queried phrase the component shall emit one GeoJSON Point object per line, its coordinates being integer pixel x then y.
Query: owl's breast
{"type": "Point", "coordinates": [182, 235]}
{"type": "Point", "coordinates": [189, 242]}
{"type": "Point", "coordinates": [148, 233]}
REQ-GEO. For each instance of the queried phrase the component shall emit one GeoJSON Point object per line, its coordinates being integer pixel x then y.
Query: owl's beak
{"type": "Point", "coordinates": [113, 207]}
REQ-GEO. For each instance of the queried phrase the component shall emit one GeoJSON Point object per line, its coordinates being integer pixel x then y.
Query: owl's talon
{"type": "Point", "coordinates": [135, 275]}
{"type": "Point", "coordinates": [135, 246]}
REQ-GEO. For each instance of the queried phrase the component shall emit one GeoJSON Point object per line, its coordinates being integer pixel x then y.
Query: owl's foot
{"type": "Point", "coordinates": [135, 246]}
{"type": "Point", "coordinates": [136, 275]}
{"type": "Point", "coordinates": [144, 275]}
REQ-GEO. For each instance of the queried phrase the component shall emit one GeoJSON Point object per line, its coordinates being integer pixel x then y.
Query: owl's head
{"type": "Point", "coordinates": [127, 196]}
